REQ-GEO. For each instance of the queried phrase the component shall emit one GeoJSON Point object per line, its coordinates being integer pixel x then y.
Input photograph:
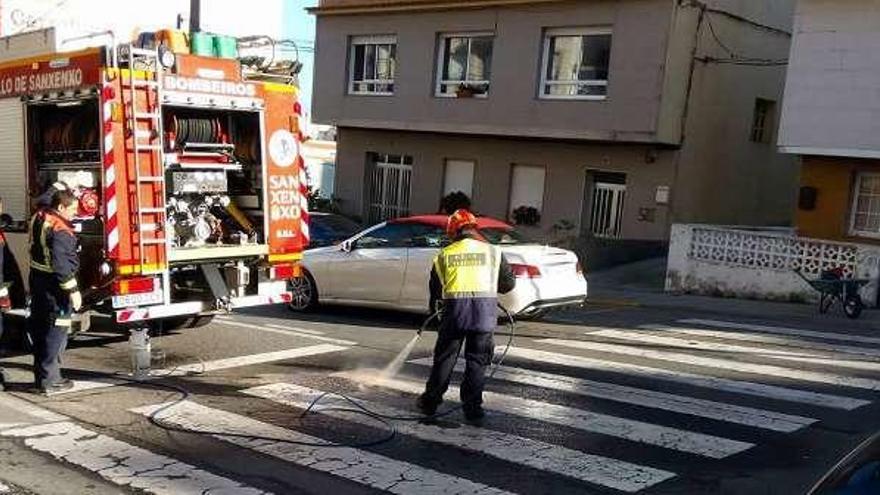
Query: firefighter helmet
{"type": "Point", "coordinates": [459, 220]}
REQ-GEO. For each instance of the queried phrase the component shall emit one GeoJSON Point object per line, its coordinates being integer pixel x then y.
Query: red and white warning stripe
{"type": "Point", "coordinates": [304, 200]}
{"type": "Point", "coordinates": [303, 177]}
{"type": "Point", "coordinates": [111, 225]}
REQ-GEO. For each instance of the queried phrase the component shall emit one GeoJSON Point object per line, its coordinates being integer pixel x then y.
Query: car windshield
{"type": "Point", "coordinates": [504, 236]}
{"type": "Point", "coordinates": [327, 230]}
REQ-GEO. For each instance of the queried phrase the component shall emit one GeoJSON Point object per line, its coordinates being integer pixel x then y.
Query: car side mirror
{"type": "Point", "coordinates": [346, 246]}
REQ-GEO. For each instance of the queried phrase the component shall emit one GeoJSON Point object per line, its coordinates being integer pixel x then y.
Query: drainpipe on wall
{"type": "Point", "coordinates": [687, 103]}
{"type": "Point", "coordinates": [195, 16]}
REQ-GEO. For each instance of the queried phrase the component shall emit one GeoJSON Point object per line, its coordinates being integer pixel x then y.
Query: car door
{"type": "Point", "coordinates": [372, 268]}
{"type": "Point", "coordinates": [426, 242]}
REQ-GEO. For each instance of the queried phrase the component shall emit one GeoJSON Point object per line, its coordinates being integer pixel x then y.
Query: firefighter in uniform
{"type": "Point", "coordinates": [54, 293]}
{"type": "Point", "coordinates": [469, 273]}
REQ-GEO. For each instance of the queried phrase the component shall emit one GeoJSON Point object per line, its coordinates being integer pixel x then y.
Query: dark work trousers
{"type": "Point", "coordinates": [48, 303]}
{"type": "Point", "coordinates": [478, 350]}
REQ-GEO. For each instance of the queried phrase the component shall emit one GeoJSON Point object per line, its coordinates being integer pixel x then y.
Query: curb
{"type": "Point", "coordinates": [679, 305]}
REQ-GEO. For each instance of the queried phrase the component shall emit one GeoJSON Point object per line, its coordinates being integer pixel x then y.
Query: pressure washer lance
{"type": "Point", "coordinates": [384, 418]}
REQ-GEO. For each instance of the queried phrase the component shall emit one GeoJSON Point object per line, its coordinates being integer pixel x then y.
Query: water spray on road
{"type": "Point", "coordinates": [396, 364]}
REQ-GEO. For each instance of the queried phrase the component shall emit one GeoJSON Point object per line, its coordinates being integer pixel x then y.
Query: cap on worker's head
{"type": "Point", "coordinates": [459, 220]}
{"type": "Point", "coordinates": [45, 199]}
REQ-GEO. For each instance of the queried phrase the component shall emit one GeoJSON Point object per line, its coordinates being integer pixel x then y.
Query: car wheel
{"type": "Point", "coordinates": [304, 293]}
{"type": "Point", "coordinates": [853, 306]}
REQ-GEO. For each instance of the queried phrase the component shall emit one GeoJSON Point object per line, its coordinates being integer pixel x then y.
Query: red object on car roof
{"type": "Point", "coordinates": [440, 221]}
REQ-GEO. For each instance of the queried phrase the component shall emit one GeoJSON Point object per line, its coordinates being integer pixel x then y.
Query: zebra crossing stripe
{"type": "Point", "coordinates": [124, 464]}
{"type": "Point", "coordinates": [774, 354]}
{"type": "Point", "coordinates": [598, 470]}
{"type": "Point", "coordinates": [253, 359]}
{"type": "Point", "coordinates": [693, 379]}
{"type": "Point", "coordinates": [719, 411]}
{"type": "Point", "coordinates": [213, 365]}
{"type": "Point", "coordinates": [725, 364]}
{"type": "Point", "coordinates": [758, 337]}
{"type": "Point", "coordinates": [289, 331]}
{"type": "Point", "coordinates": [627, 429]}
{"type": "Point", "coordinates": [793, 332]}
{"type": "Point", "coordinates": [360, 466]}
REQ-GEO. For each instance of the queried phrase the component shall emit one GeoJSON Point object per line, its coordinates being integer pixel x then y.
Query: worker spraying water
{"type": "Point", "coordinates": [469, 273]}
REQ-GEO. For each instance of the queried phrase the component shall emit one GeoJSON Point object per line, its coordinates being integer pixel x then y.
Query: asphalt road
{"type": "Point", "coordinates": [601, 400]}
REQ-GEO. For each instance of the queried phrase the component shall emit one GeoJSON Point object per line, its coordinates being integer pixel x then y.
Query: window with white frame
{"type": "Point", "coordinates": [464, 64]}
{"type": "Point", "coordinates": [526, 191]}
{"type": "Point", "coordinates": [866, 205]}
{"type": "Point", "coordinates": [608, 201]}
{"type": "Point", "coordinates": [372, 65]}
{"type": "Point", "coordinates": [576, 63]}
{"type": "Point", "coordinates": [458, 176]}
{"type": "Point", "coordinates": [390, 186]}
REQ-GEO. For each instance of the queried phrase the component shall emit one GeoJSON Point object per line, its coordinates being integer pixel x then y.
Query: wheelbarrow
{"type": "Point", "coordinates": [833, 288]}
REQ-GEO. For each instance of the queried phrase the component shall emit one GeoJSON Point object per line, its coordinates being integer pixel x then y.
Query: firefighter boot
{"type": "Point", "coordinates": [474, 415]}
{"type": "Point", "coordinates": [62, 385]}
{"type": "Point", "coordinates": [426, 406]}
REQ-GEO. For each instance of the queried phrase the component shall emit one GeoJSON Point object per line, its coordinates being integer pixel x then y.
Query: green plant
{"type": "Point", "coordinates": [325, 205]}
{"type": "Point", "coordinates": [563, 234]}
{"type": "Point", "coordinates": [526, 215]}
{"type": "Point", "coordinates": [562, 227]}
{"type": "Point", "coordinates": [454, 201]}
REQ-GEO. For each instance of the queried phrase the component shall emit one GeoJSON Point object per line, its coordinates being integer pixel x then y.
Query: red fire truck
{"type": "Point", "coordinates": [191, 188]}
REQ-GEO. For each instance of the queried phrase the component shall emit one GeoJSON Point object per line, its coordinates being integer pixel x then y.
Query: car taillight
{"type": "Point", "coordinates": [525, 271]}
{"type": "Point", "coordinates": [284, 272]}
{"type": "Point", "coordinates": [140, 285]}
{"type": "Point", "coordinates": [579, 268]}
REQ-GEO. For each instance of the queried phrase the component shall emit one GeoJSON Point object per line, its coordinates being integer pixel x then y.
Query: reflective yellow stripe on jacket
{"type": "Point", "coordinates": [468, 268]}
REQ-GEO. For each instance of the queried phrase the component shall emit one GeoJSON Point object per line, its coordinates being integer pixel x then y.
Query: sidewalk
{"type": "Point", "coordinates": [641, 285]}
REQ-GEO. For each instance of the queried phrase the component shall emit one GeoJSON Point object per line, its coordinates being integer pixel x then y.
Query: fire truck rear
{"type": "Point", "coordinates": [192, 193]}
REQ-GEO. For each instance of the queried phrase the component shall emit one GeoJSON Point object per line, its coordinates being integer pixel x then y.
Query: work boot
{"type": "Point", "coordinates": [474, 415]}
{"type": "Point", "coordinates": [59, 386]}
{"type": "Point", "coordinates": [426, 406]}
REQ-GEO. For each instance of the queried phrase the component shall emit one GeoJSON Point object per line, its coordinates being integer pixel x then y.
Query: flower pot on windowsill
{"type": "Point", "coordinates": [465, 92]}
{"type": "Point", "coordinates": [470, 90]}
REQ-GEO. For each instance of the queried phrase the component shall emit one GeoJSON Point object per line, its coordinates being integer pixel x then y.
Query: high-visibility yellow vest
{"type": "Point", "coordinates": [468, 268]}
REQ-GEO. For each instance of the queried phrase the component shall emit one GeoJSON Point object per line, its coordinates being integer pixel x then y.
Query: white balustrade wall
{"type": "Point", "coordinates": [755, 264]}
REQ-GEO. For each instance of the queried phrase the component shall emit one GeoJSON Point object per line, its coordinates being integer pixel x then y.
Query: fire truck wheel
{"type": "Point", "coordinates": [304, 292]}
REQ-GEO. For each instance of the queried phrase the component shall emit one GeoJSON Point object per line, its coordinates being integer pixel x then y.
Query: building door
{"type": "Point", "coordinates": [606, 197]}
{"type": "Point", "coordinates": [390, 187]}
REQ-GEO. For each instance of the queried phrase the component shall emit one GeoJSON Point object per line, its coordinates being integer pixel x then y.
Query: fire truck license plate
{"type": "Point", "coordinates": [137, 299]}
